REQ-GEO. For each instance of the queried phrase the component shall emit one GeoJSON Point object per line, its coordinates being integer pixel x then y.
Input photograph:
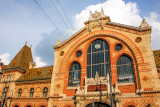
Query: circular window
{"type": "Point", "coordinates": [138, 39]}
{"type": "Point", "coordinates": [61, 53]}
{"type": "Point", "coordinates": [118, 47]}
{"type": "Point", "coordinates": [79, 53]}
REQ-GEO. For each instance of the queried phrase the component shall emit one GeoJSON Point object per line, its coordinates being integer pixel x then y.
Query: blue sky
{"type": "Point", "coordinates": [23, 20]}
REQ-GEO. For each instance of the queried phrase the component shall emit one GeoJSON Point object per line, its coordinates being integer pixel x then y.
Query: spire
{"type": "Point", "coordinates": [0, 67]}
{"type": "Point", "coordinates": [90, 16]}
{"type": "Point", "coordinates": [58, 41]}
{"type": "Point", "coordinates": [22, 59]}
{"type": "Point", "coordinates": [25, 43]}
{"type": "Point", "coordinates": [102, 12]}
{"type": "Point", "coordinates": [144, 23]}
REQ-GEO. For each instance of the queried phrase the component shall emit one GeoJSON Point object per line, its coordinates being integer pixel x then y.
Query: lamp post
{"type": "Point", "coordinates": [93, 102]}
{"type": "Point", "coordinates": [110, 82]}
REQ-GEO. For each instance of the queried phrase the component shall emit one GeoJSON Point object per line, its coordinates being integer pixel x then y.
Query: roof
{"type": "Point", "coordinates": [41, 73]}
{"type": "Point", "coordinates": [22, 59]}
{"type": "Point", "coordinates": [156, 54]}
{"type": "Point", "coordinates": [3, 67]}
{"type": "Point", "coordinates": [139, 29]}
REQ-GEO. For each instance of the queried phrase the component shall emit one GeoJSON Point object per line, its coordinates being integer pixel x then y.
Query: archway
{"type": "Point", "coordinates": [98, 104]}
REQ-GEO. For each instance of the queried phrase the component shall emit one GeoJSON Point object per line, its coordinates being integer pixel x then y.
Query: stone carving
{"type": "Point", "coordinates": [145, 78]}
{"type": "Point", "coordinates": [144, 23]}
{"type": "Point", "coordinates": [96, 81]}
{"type": "Point", "coordinates": [96, 15]}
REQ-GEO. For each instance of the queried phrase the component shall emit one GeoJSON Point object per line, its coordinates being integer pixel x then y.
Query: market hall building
{"type": "Point", "coordinates": [102, 61]}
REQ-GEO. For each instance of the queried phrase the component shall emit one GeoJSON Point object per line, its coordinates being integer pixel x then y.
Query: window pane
{"type": "Point", "coordinates": [97, 58]}
{"type": "Point", "coordinates": [74, 74]}
{"type": "Point", "coordinates": [125, 71]}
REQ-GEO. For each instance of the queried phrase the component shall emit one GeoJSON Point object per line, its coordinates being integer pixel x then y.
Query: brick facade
{"type": "Point", "coordinates": [135, 41]}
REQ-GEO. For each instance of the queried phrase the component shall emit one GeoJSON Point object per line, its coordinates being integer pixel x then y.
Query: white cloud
{"type": "Point", "coordinates": [124, 13]}
{"type": "Point", "coordinates": [39, 63]}
{"type": "Point", "coordinates": [154, 21]}
{"type": "Point", "coordinates": [117, 10]}
{"type": "Point", "coordinates": [5, 58]}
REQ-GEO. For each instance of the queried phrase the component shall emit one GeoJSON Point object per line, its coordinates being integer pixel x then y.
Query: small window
{"type": "Point", "coordinates": [118, 47]}
{"type": "Point", "coordinates": [45, 92]}
{"type": "Point", "coordinates": [19, 92]}
{"type": "Point", "coordinates": [31, 92]}
{"type": "Point", "coordinates": [79, 53]}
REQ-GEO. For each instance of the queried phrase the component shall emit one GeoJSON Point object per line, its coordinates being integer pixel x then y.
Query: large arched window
{"type": "Point", "coordinates": [125, 71]}
{"type": "Point", "coordinates": [98, 59]}
{"type": "Point", "coordinates": [19, 92]}
{"type": "Point", "coordinates": [74, 74]}
{"type": "Point", "coordinates": [45, 92]}
{"type": "Point", "coordinates": [31, 92]}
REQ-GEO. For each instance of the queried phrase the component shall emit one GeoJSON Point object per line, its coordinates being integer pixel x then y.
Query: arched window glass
{"type": "Point", "coordinates": [45, 92]}
{"type": "Point", "coordinates": [31, 92]}
{"type": "Point", "coordinates": [98, 59]}
{"type": "Point", "coordinates": [125, 71]}
{"type": "Point", "coordinates": [74, 74]}
{"type": "Point", "coordinates": [19, 92]}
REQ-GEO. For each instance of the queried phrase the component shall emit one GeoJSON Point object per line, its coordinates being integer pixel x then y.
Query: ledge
{"type": "Point", "coordinates": [125, 84]}
{"type": "Point", "coordinates": [72, 88]}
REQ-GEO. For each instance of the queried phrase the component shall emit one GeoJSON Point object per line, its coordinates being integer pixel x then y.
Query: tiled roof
{"type": "Point", "coordinates": [22, 59]}
{"type": "Point", "coordinates": [3, 67]}
{"type": "Point", "coordinates": [156, 54]}
{"type": "Point", "coordinates": [41, 73]}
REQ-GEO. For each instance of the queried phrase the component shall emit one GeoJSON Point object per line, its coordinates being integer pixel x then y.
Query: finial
{"type": "Point", "coordinates": [30, 46]}
{"type": "Point", "coordinates": [102, 12]}
{"type": "Point", "coordinates": [25, 43]}
{"type": "Point", "coordinates": [144, 23]}
{"type": "Point", "coordinates": [58, 41]}
{"type": "Point", "coordinates": [90, 15]}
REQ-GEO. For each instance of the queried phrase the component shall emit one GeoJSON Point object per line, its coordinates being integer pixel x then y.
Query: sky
{"type": "Point", "coordinates": [23, 20]}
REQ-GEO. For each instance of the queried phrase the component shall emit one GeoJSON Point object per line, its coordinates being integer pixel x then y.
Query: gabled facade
{"type": "Point", "coordinates": [103, 64]}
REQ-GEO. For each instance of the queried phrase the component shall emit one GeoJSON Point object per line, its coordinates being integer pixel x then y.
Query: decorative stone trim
{"type": "Point", "coordinates": [124, 84]}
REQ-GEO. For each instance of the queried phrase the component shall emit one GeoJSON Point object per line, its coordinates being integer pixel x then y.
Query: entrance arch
{"type": "Point", "coordinates": [98, 104]}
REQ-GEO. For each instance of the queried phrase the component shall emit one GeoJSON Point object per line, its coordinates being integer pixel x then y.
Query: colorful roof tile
{"type": "Point", "coordinates": [22, 59]}
{"type": "Point", "coordinates": [156, 54]}
{"type": "Point", "coordinates": [41, 73]}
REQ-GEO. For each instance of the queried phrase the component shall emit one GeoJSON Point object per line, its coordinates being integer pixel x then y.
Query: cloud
{"type": "Point", "coordinates": [39, 62]}
{"type": "Point", "coordinates": [154, 21]}
{"type": "Point", "coordinates": [5, 58]}
{"type": "Point", "coordinates": [124, 13]}
{"type": "Point", "coordinates": [118, 10]}
{"type": "Point", "coordinates": [44, 48]}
